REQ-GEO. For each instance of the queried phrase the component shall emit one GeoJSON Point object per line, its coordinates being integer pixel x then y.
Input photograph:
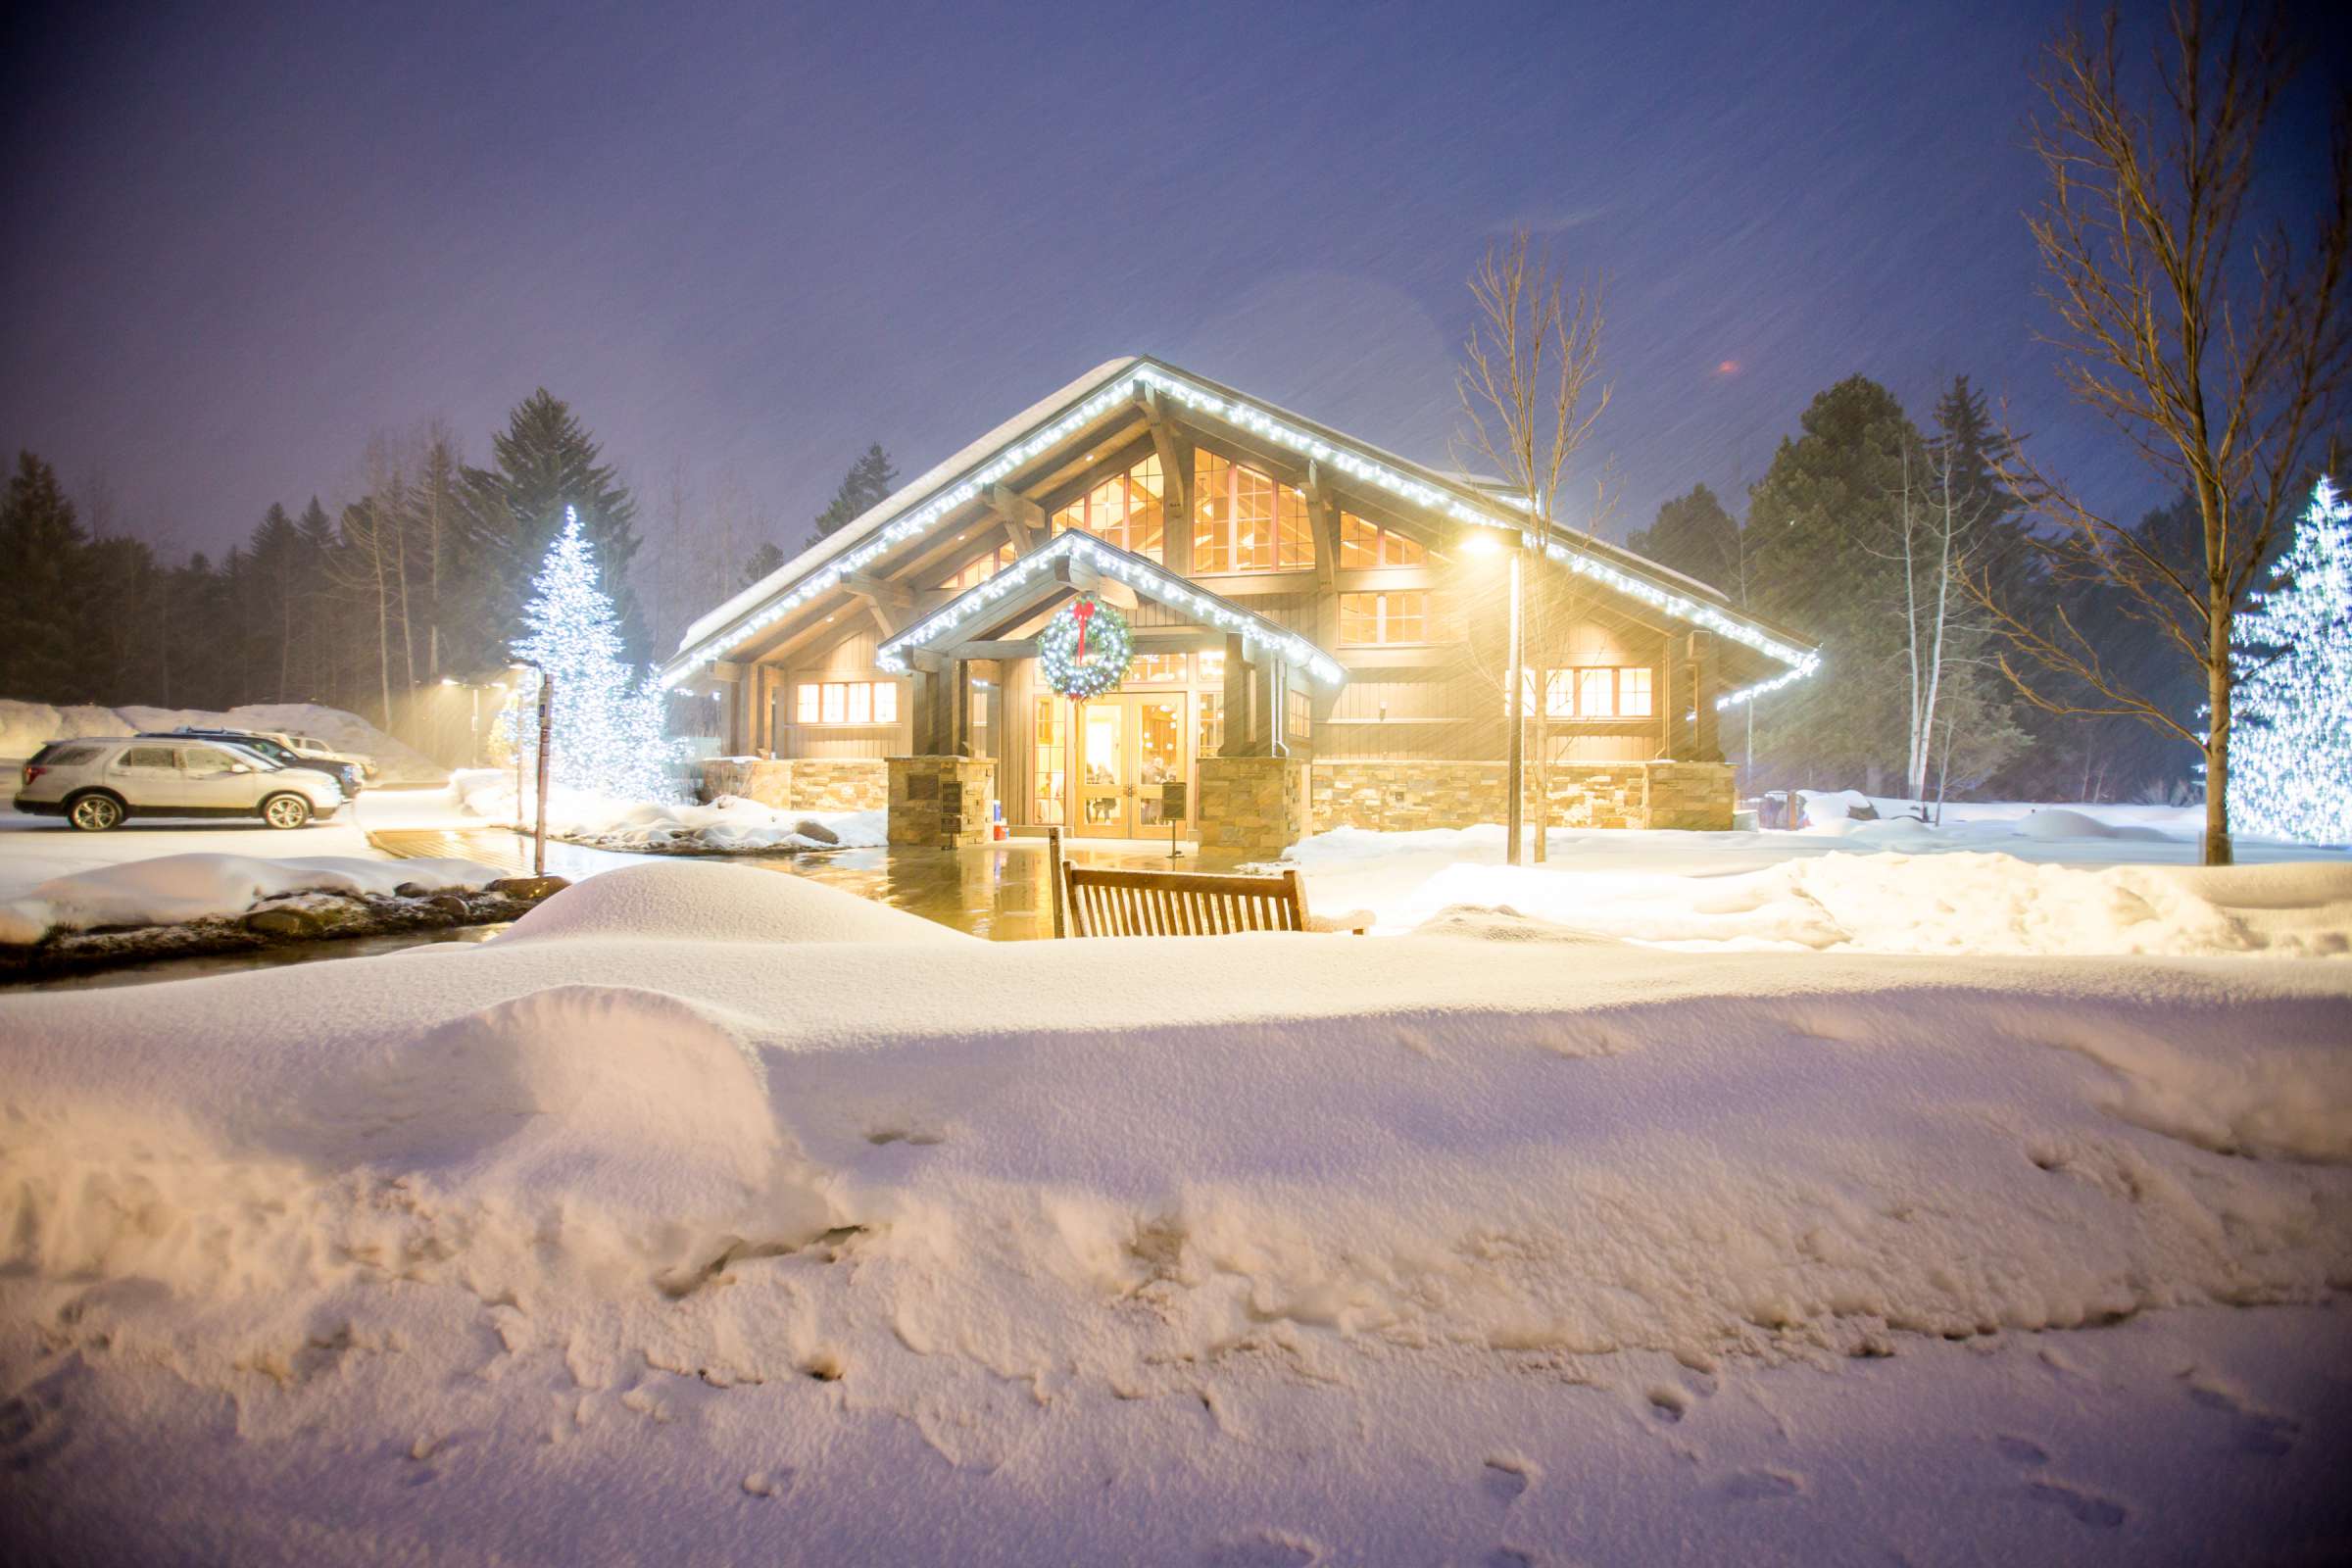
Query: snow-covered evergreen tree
{"type": "Point", "coordinates": [2290, 761]}
{"type": "Point", "coordinates": [607, 722]}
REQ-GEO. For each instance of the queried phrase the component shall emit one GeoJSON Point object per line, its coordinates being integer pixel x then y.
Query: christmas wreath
{"type": "Point", "coordinates": [1085, 649]}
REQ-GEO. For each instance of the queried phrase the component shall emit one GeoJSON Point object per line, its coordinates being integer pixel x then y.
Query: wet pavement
{"type": "Point", "coordinates": [997, 890]}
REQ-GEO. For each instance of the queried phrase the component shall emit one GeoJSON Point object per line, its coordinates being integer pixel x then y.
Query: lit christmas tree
{"type": "Point", "coordinates": [2290, 761]}
{"type": "Point", "coordinates": [607, 723]}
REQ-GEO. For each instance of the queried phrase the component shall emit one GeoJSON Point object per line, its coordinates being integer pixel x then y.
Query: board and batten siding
{"type": "Point", "coordinates": [851, 658]}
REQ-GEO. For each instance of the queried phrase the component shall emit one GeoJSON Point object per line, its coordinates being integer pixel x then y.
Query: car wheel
{"type": "Point", "coordinates": [285, 810]}
{"type": "Point", "coordinates": [94, 814]}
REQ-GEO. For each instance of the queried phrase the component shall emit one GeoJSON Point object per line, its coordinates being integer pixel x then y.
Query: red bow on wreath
{"type": "Point", "coordinates": [1084, 610]}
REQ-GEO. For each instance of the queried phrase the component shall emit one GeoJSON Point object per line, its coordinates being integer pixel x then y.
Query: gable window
{"type": "Point", "coordinates": [1125, 509]}
{"type": "Point", "coordinates": [847, 702]}
{"type": "Point", "coordinates": [1399, 615]}
{"type": "Point", "coordinates": [1364, 544]}
{"type": "Point", "coordinates": [978, 570]}
{"type": "Point", "coordinates": [1243, 520]}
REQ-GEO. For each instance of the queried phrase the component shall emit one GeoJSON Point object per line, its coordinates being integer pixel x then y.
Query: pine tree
{"type": "Point", "coordinates": [1817, 524]}
{"type": "Point", "coordinates": [607, 723]}
{"type": "Point", "coordinates": [1697, 537]}
{"type": "Point", "coordinates": [546, 461]}
{"type": "Point", "coordinates": [869, 482]}
{"type": "Point", "coordinates": [45, 655]}
{"type": "Point", "coordinates": [765, 562]}
{"type": "Point", "coordinates": [2292, 759]}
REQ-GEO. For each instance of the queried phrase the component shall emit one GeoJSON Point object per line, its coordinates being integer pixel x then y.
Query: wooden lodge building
{"type": "Point", "coordinates": [1320, 634]}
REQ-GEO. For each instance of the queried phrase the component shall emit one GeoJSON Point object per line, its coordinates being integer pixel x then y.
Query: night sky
{"type": "Point", "coordinates": [737, 239]}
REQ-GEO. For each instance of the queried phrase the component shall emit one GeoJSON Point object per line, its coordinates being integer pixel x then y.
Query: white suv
{"type": "Point", "coordinates": [95, 784]}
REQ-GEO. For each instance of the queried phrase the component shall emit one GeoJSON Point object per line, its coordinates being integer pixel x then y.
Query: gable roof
{"type": "Point", "coordinates": [925, 503]}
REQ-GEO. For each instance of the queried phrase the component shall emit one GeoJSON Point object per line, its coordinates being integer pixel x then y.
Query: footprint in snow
{"type": "Point", "coordinates": [1506, 1478]}
{"type": "Point", "coordinates": [2019, 1450]}
{"type": "Point", "coordinates": [1269, 1548]}
{"type": "Point", "coordinates": [2259, 1433]}
{"type": "Point", "coordinates": [1669, 1405]}
{"type": "Point", "coordinates": [1762, 1486]}
{"type": "Point", "coordinates": [2095, 1511]}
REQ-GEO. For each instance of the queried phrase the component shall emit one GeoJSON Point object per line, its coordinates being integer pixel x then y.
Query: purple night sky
{"type": "Point", "coordinates": [737, 238]}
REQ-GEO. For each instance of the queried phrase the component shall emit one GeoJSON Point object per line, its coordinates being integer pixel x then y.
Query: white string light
{"type": "Point", "coordinates": [1357, 466]}
{"type": "Point", "coordinates": [1137, 573]}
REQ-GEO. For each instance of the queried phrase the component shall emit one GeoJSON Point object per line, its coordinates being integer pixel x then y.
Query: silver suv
{"type": "Point", "coordinates": [95, 784]}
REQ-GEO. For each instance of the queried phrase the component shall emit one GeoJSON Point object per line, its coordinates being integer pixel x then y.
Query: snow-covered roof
{"type": "Point", "coordinates": [927, 502]}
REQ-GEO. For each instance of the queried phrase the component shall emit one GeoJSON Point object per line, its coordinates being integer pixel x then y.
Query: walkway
{"type": "Point", "coordinates": [995, 891]}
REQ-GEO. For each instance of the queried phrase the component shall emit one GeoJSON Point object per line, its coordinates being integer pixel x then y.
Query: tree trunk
{"type": "Point", "coordinates": [2218, 685]}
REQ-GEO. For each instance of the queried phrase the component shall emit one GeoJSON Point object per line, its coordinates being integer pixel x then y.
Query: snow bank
{"type": "Point", "coordinates": [1124, 1250]}
{"type": "Point", "coordinates": [26, 726]}
{"type": "Point", "coordinates": [169, 888]}
{"type": "Point", "coordinates": [731, 822]}
{"type": "Point", "coordinates": [714, 902]}
{"type": "Point", "coordinates": [1919, 890]}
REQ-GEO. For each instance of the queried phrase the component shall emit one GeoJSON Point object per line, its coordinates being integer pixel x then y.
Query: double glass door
{"type": "Point", "coordinates": [1128, 746]}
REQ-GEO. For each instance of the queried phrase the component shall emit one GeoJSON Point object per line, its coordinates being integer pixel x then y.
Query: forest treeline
{"type": "Point", "coordinates": [1858, 535]}
{"type": "Point", "coordinates": [1865, 533]}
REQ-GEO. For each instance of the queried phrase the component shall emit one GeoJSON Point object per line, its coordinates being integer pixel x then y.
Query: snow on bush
{"type": "Point", "coordinates": [26, 726]}
{"type": "Point", "coordinates": [172, 888]}
{"type": "Point", "coordinates": [729, 823]}
{"type": "Point", "coordinates": [972, 1252]}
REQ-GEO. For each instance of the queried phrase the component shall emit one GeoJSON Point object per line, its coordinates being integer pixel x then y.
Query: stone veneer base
{"type": "Point", "coordinates": [1401, 796]}
{"type": "Point", "coordinates": [801, 783]}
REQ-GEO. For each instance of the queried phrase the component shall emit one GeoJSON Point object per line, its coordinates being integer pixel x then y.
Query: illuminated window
{"type": "Point", "coordinates": [1243, 520]}
{"type": "Point", "coordinates": [1363, 544]}
{"type": "Point", "coordinates": [1597, 692]}
{"type": "Point", "coordinates": [1125, 509]}
{"type": "Point", "coordinates": [1298, 717]}
{"type": "Point", "coordinates": [977, 572]}
{"type": "Point", "coordinates": [847, 702]}
{"type": "Point", "coordinates": [1213, 667]}
{"type": "Point", "coordinates": [1212, 722]}
{"type": "Point", "coordinates": [1402, 615]}
{"type": "Point", "coordinates": [1156, 668]}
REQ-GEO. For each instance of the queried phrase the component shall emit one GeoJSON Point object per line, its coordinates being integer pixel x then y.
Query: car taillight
{"type": "Point", "coordinates": [32, 772]}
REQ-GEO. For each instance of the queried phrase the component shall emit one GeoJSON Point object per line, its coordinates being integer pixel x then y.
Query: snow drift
{"type": "Point", "coordinates": [1895, 886]}
{"type": "Point", "coordinates": [620, 1193]}
{"type": "Point", "coordinates": [26, 726]}
{"type": "Point", "coordinates": [172, 888]}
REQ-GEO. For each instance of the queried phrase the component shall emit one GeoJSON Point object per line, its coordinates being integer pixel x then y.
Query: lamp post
{"type": "Point", "coordinates": [547, 729]}
{"type": "Point", "coordinates": [1483, 542]}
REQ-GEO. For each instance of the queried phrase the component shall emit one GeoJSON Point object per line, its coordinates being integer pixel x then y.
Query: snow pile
{"type": "Point", "coordinates": [169, 889]}
{"type": "Point", "coordinates": [714, 901]}
{"type": "Point", "coordinates": [731, 822]}
{"type": "Point", "coordinates": [1924, 891]}
{"type": "Point", "coordinates": [25, 727]}
{"type": "Point", "coordinates": [614, 1229]}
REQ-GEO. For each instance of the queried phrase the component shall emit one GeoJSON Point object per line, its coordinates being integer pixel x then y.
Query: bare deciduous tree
{"type": "Point", "coordinates": [1531, 392]}
{"type": "Point", "coordinates": [2220, 362]}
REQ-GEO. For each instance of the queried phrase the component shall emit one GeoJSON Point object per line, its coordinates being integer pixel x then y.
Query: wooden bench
{"type": "Point", "coordinates": [1097, 903]}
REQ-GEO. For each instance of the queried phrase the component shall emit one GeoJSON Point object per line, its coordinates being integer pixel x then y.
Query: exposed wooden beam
{"type": "Point", "coordinates": [1024, 519]}
{"type": "Point", "coordinates": [881, 590]}
{"type": "Point", "coordinates": [1175, 453]}
{"type": "Point", "coordinates": [1323, 511]}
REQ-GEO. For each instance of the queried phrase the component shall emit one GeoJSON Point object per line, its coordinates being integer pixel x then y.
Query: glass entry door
{"type": "Point", "coordinates": [1128, 747]}
{"type": "Point", "coordinates": [1104, 787]}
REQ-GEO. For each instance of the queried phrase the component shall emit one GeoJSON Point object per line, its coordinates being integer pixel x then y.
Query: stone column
{"type": "Point", "coordinates": [1254, 805]}
{"type": "Point", "coordinates": [942, 801]}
